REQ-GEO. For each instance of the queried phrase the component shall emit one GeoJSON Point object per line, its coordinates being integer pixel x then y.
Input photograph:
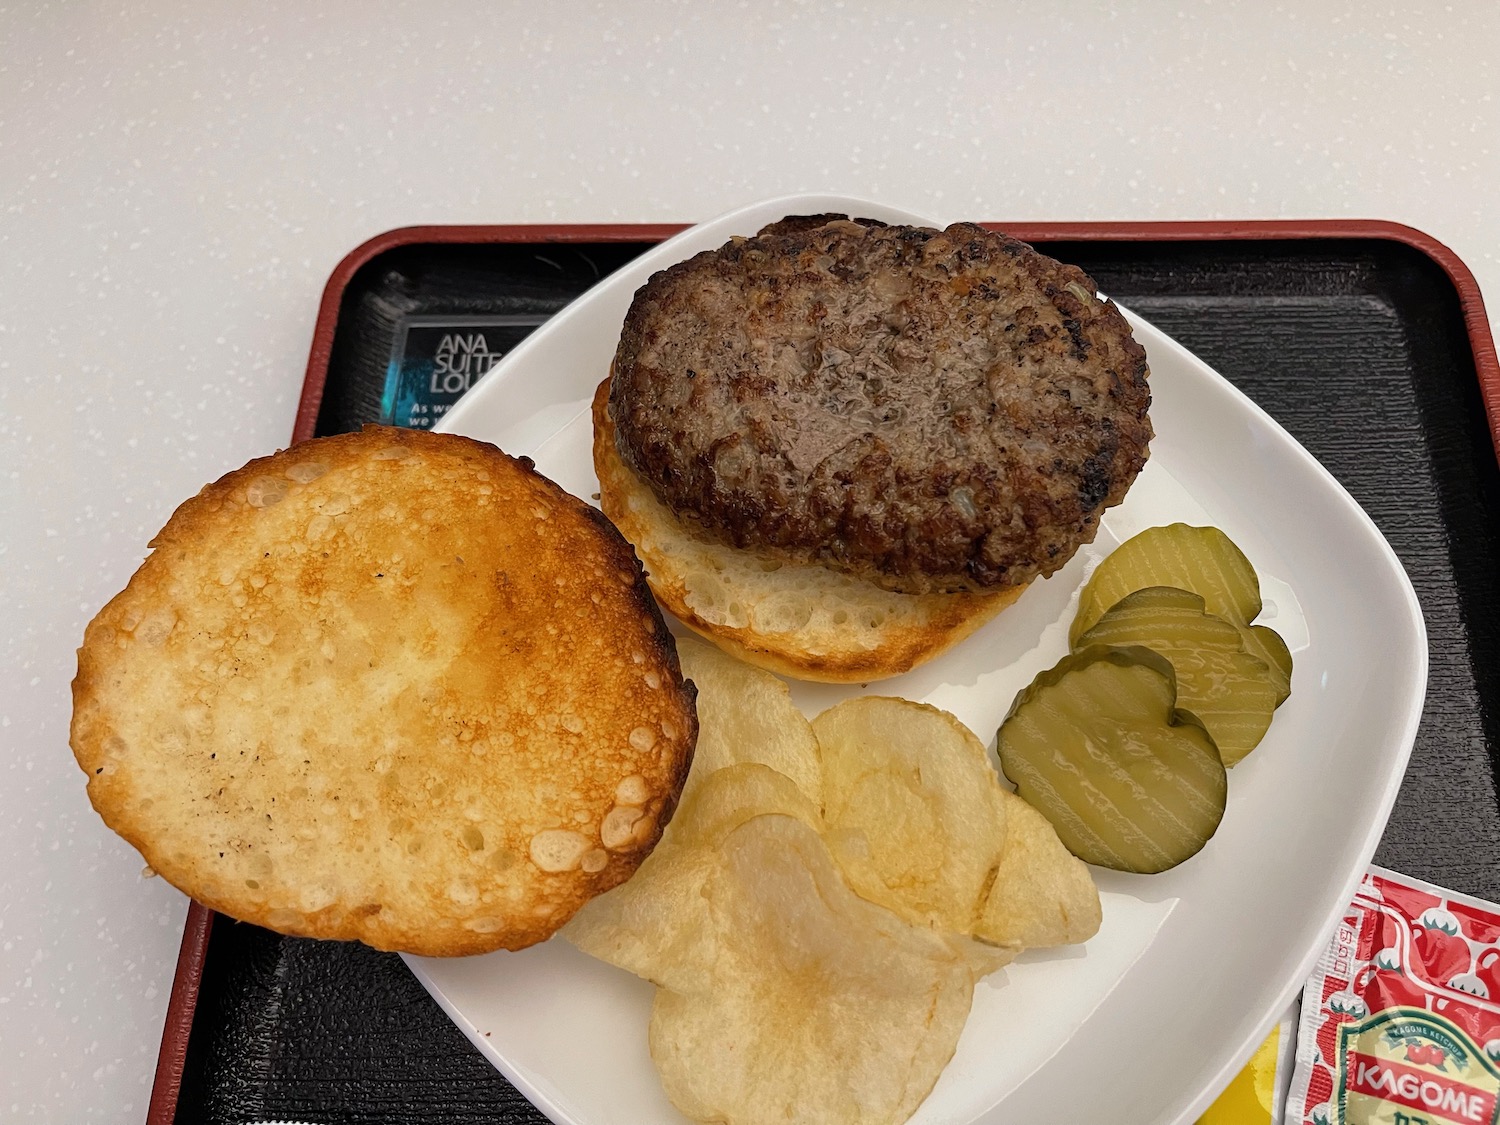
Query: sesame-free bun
{"type": "Point", "coordinates": [798, 619]}
{"type": "Point", "coordinates": [391, 686]}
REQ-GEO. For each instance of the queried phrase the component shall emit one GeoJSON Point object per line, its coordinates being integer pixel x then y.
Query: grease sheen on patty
{"type": "Point", "coordinates": [929, 410]}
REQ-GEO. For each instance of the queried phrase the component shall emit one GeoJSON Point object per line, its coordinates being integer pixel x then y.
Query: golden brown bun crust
{"type": "Point", "coordinates": [392, 686]}
{"type": "Point", "coordinates": [798, 620]}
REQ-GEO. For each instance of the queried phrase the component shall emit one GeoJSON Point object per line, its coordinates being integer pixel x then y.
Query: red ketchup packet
{"type": "Point", "coordinates": [1405, 1029]}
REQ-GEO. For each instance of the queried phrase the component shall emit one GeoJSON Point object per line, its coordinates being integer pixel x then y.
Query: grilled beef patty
{"type": "Point", "coordinates": [930, 410]}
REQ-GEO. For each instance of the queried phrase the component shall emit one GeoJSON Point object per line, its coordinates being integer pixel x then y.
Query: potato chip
{"type": "Point", "coordinates": [746, 715]}
{"type": "Point", "coordinates": [807, 931]}
{"type": "Point", "coordinates": [818, 1006]}
{"type": "Point", "coordinates": [648, 925]}
{"type": "Point", "coordinates": [746, 720]}
{"type": "Point", "coordinates": [1042, 895]}
{"type": "Point", "coordinates": [914, 809]}
{"type": "Point", "coordinates": [637, 926]}
{"type": "Point", "coordinates": [730, 796]}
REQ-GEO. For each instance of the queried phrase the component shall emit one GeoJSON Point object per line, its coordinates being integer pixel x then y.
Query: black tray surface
{"type": "Point", "coordinates": [1356, 346]}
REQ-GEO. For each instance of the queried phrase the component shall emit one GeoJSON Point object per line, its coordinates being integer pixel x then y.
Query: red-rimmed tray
{"type": "Point", "coordinates": [1367, 340]}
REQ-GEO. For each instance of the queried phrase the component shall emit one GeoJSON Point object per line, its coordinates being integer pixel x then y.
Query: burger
{"type": "Point", "coordinates": [841, 446]}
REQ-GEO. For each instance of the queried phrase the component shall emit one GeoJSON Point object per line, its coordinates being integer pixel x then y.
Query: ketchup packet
{"type": "Point", "coordinates": [1401, 1018]}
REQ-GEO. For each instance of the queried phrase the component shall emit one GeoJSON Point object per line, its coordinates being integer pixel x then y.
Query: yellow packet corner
{"type": "Point", "coordinates": [1257, 1094]}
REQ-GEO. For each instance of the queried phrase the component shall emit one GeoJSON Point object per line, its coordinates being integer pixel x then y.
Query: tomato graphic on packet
{"type": "Point", "coordinates": [1343, 1007]}
{"type": "Point", "coordinates": [1388, 988]}
{"type": "Point", "coordinates": [1411, 901]}
{"type": "Point", "coordinates": [1328, 1038]}
{"type": "Point", "coordinates": [1478, 925]}
{"type": "Point", "coordinates": [1442, 954]}
{"type": "Point", "coordinates": [1487, 969]}
{"type": "Point", "coordinates": [1429, 1054]}
{"type": "Point", "coordinates": [1379, 933]}
{"type": "Point", "coordinates": [1320, 1085]}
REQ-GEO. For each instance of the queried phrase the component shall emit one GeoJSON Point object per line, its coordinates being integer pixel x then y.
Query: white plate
{"type": "Point", "coordinates": [1190, 969]}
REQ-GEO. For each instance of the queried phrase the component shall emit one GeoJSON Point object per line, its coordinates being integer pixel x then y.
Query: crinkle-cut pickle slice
{"type": "Point", "coordinates": [1232, 692]}
{"type": "Point", "coordinates": [1265, 644]}
{"type": "Point", "coordinates": [1201, 559]}
{"type": "Point", "coordinates": [1098, 746]}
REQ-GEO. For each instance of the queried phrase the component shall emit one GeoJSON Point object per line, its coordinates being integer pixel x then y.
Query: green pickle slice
{"type": "Point", "coordinates": [1098, 746]}
{"type": "Point", "coordinates": [1231, 691]}
{"type": "Point", "coordinates": [1202, 560]}
{"type": "Point", "coordinates": [1265, 644]}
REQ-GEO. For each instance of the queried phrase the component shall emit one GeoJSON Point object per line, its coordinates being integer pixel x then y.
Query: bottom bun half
{"type": "Point", "coordinates": [797, 619]}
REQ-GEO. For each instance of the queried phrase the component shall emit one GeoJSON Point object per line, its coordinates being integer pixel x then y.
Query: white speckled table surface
{"type": "Point", "coordinates": [177, 181]}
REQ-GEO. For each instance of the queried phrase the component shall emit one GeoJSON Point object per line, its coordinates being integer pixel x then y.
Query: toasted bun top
{"type": "Point", "coordinates": [393, 686]}
{"type": "Point", "coordinates": [927, 410]}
